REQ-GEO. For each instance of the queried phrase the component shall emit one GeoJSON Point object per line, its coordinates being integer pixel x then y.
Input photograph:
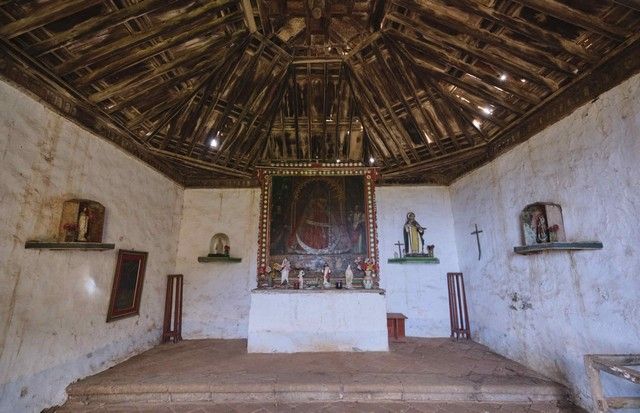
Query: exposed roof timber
{"type": "Point", "coordinates": [419, 76]}
{"type": "Point", "coordinates": [574, 16]}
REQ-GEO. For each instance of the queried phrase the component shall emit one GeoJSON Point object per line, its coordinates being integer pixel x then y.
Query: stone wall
{"type": "Point", "coordinates": [547, 310]}
{"type": "Point", "coordinates": [53, 304]}
{"type": "Point", "coordinates": [217, 295]}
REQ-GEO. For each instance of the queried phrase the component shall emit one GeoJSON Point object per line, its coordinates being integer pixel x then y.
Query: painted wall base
{"type": "Point", "coordinates": [292, 321]}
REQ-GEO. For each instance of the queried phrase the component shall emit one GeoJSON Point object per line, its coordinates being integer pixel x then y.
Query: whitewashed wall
{"type": "Point", "coordinates": [217, 295]}
{"type": "Point", "coordinates": [548, 310]}
{"type": "Point", "coordinates": [53, 304]}
{"type": "Point", "coordinates": [419, 291]}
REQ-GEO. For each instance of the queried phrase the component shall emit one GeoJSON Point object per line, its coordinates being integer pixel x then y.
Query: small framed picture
{"type": "Point", "coordinates": [127, 284]}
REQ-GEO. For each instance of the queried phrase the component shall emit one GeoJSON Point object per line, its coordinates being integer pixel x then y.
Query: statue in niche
{"type": "Point", "coordinates": [219, 245]}
{"type": "Point", "coordinates": [348, 276]}
{"type": "Point", "coordinates": [413, 236]}
{"type": "Point", "coordinates": [83, 224]}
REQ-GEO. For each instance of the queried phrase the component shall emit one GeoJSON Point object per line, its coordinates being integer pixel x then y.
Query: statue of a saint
{"type": "Point", "coordinates": [541, 230]}
{"type": "Point", "coordinates": [219, 247]}
{"type": "Point", "coordinates": [413, 231]}
{"type": "Point", "coordinates": [285, 267]}
{"type": "Point", "coordinates": [348, 276]}
{"type": "Point", "coordinates": [301, 278]}
{"type": "Point", "coordinates": [83, 224]}
{"type": "Point", "coordinates": [325, 276]}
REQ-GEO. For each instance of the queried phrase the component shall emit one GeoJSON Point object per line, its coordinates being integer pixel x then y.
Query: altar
{"type": "Point", "coordinates": [317, 269]}
{"type": "Point", "coordinates": [291, 321]}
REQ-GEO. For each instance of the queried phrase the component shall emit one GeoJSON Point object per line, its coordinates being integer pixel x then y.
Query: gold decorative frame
{"type": "Point", "coordinates": [311, 169]}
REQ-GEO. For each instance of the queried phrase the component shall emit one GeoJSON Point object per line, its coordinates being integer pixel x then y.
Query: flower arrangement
{"type": "Point", "coordinates": [70, 229]}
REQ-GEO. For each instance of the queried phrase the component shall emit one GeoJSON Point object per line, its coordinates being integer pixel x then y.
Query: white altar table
{"type": "Point", "coordinates": [291, 321]}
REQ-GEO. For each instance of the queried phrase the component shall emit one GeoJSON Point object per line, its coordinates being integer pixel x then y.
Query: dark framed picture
{"type": "Point", "coordinates": [127, 284]}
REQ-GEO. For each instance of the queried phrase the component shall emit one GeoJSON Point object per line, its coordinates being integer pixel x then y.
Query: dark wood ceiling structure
{"type": "Point", "coordinates": [206, 90]}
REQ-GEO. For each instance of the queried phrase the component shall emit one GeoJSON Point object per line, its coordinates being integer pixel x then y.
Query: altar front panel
{"type": "Point", "coordinates": [291, 321]}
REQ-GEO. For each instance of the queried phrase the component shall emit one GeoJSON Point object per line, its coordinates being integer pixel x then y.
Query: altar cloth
{"type": "Point", "coordinates": [292, 321]}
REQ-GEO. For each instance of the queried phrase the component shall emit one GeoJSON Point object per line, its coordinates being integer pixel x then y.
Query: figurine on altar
{"type": "Point", "coordinates": [301, 279]}
{"type": "Point", "coordinates": [348, 276]}
{"type": "Point", "coordinates": [413, 232]}
{"type": "Point", "coordinates": [326, 276]}
{"type": "Point", "coordinates": [370, 267]}
{"type": "Point", "coordinates": [285, 268]}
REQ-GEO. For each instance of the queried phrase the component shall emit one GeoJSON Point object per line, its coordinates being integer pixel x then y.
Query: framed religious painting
{"type": "Point", "coordinates": [317, 217]}
{"type": "Point", "coordinates": [127, 284]}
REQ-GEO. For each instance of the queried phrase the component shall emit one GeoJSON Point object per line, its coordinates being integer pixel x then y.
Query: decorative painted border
{"type": "Point", "coordinates": [308, 169]}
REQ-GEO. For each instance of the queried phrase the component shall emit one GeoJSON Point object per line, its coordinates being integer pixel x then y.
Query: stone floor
{"type": "Point", "coordinates": [422, 375]}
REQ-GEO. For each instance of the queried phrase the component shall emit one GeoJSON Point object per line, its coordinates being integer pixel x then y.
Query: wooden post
{"type": "Point", "coordinates": [172, 326]}
{"type": "Point", "coordinates": [458, 312]}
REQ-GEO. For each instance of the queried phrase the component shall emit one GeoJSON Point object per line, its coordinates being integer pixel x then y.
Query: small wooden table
{"type": "Point", "coordinates": [395, 326]}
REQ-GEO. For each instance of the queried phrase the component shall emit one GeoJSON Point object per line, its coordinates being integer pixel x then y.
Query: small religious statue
{"type": "Point", "coordinates": [348, 276]}
{"type": "Point", "coordinates": [541, 230]}
{"type": "Point", "coordinates": [326, 276]}
{"type": "Point", "coordinates": [83, 224]}
{"type": "Point", "coordinates": [285, 267]}
{"type": "Point", "coordinates": [219, 247]}
{"type": "Point", "coordinates": [413, 232]}
{"type": "Point", "coordinates": [301, 279]}
{"type": "Point", "coordinates": [226, 250]}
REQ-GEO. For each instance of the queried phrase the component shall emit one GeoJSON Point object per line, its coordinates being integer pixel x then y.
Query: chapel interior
{"type": "Point", "coordinates": [320, 205]}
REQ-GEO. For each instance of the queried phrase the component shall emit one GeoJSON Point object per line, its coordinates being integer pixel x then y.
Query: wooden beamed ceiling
{"type": "Point", "coordinates": [205, 90]}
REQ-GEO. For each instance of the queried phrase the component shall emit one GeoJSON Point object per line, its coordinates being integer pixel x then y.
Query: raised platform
{"type": "Point", "coordinates": [293, 321]}
{"type": "Point", "coordinates": [221, 371]}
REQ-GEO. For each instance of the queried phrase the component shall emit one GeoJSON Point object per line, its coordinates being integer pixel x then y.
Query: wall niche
{"type": "Point", "coordinates": [543, 230]}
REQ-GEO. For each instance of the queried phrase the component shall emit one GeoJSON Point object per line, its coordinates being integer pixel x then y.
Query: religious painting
{"type": "Point", "coordinates": [127, 284]}
{"type": "Point", "coordinates": [318, 215]}
{"type": "Point", "coordinates": [315, 218]}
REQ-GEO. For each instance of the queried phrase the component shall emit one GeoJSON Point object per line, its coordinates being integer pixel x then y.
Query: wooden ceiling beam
{"type": "Point", "coordinates": [543, 38]}
{"type": "Point", "coordinates": [236, 90]}
{"type": "Point", "coordinates": [380, 85]}
{"type": "Point", "coordinates": [373, 108]}
{"type": "Point", "coordinates": [451, 18]}
{"type": "Point", "coordinates": [631, 4]}
{"type": "Point", "coordinates": [503, 65]}
{"type": "Point", "coordinates": [428, 122]}
{"type": "Point", "coordinates": [97, 24]}
{"type": "Point", "coordinates": [507, 86]}
{"type": "Point", "coordinates": [44, 14]}
{"type": "Point", "coordinates": [118, 63]}
{"type": "Point", "coordinates": [398, 92]}
{"type": "Point", "coordinates": [185, 62]}
{"type": "Point", "coordinates": [449, 159]}
{"type": "Point", "coordinates": [223, 79]}
{"type": "Point", "coordinates": [576, 17]}
{"type": "Point", "coordinates": [184, 24]}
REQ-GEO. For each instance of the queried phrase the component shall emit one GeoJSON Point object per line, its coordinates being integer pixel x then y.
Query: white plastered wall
{"type": "Point", "coordinates": [217, 295]}
{"type": "Point", "coordinates": [547, 310]}
{"type": "Point", "coordinates": [53, 304]}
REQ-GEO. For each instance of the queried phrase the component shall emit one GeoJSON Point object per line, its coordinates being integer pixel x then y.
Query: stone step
{"type": "Point", "coordinates": [308, 387]}
{"type": "Point", "coordinates": [322, 407]}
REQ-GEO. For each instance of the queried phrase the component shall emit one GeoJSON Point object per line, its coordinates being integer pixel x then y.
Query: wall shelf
{"type": "Point", "coordinates": [219, 259]}
{"type": "Point", "coordinates": [414, 260]}
{"type": "Point", "coordinates": [58, 246]}
{"type": "Point", "coordinates": [558, 246]}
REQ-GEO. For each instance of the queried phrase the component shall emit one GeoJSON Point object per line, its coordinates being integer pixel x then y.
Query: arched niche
{"type": "Point", "coordinates": [219, 245]}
